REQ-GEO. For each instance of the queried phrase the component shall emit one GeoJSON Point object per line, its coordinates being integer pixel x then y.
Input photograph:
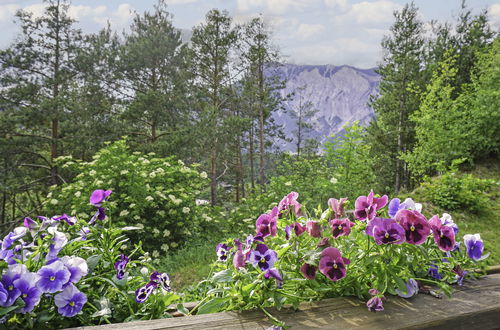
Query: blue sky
{"type": "Point", "coordinates": [307, 31]}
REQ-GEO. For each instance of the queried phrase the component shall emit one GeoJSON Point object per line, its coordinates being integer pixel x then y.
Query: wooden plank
{"type": "Point", "coordinates": [475, 305]}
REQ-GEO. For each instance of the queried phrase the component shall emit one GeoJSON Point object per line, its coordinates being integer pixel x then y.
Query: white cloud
{"type": "Point", "coordinates": [79, 12]}
{"type": "Point", "coordinates": [274, 6]}
{"type": "Point", "coordinates": [7, 12]}
{"type": "Point", "coordinates": [120, 18]}
{"type": "Point", "coordinates": [337, 4]}
{"type": "Point", "coordinates": [179, 2]}
{"type": "Point", "coordinates": [306, 31]}
{"type": "Point", "coordinates": [370, 13]}
{"type": "Point", "coordinates": [494, 15]}
{"type": "Point", "coordinates": [37, 9]}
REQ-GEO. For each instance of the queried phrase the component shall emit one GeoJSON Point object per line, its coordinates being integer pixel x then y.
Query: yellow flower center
{"type": "Point", "coordinates": [25, 295]}
{"type": "Point", "coordinates": [441, 235]}
{"type": "Point", "coordinates": [52, 278]}
{"type": "Point", "coordinates": [412, 228]}
{"type": "Point", "coordinates": [11, 287]}
{"type": "Point", "coordinates": [335, 266]}
{"type": "Point", "coordinates": [72, 304]}
{"type": "Point", "coordinates": [262, 260]}
{"type": "Point", "coordinates": [340, 227]}
{"type": "Point", "coordinates": [386, 235]}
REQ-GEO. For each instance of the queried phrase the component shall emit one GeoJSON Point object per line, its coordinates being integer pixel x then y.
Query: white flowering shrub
{"type": "Point", "coordinates": [156, 193]}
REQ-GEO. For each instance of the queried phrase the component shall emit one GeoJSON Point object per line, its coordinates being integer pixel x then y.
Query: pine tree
{"type": "Point", "coordinates": [401, 71]}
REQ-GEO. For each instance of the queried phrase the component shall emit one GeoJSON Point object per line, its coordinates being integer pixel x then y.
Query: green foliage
{"type": "Point", "coordinates": [349, 155]}
{"type": "Point", "coordinates": [155, 193]}
{"type": "Point", "coordinates": [453, 191]}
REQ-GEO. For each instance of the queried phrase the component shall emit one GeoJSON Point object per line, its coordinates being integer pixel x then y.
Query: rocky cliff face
{"type": "Point", "coordinates": [339, 93]}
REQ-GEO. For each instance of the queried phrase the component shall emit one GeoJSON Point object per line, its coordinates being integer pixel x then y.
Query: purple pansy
{"type": "Point", "coordinates": [4, 295]}
{"type": "Point", "coordinates": [415, 225]}
{"type": "Point", "coordinates": [386, 231]}
{"type": "Point", "coordinates": [84, 231]}
{"type": "Point", "coordinates": [263, 257]}
{"type": "Point", "coordinates": [53, 277]}
{"type": "Point", "coordinates": [324, 242]}
{"type": "Point", "coordinates": [375, 304]}
{"type": "Point", "coordinates": [460, 274]}
{"type": "Point", "coordinates": [30, 223]}
{"type": "Point", "coordinates": [239, 259]}
{"type": "Point", "coordinates": [70, 301]}
{"type": "Point", "coordinates": [274, 273]}
{"type": "Point", "coordinates": [288, 231]}
{"type": "Point", "coordinates": [337, 206]}
{"type": "Point", "coordinates": [266, 223]}
{"type": "Point", "coordinates": [313, 228]}
{"type": "Point", "coordinates": [99, 196]}
{"type": "Point", "coordinates": [29, 292]}
{"type": "Point", "coordinates": [309, 271]}
{"type": "Point", "coordinates": [77, 267]}
{"type": "Point", "coordinates": [434, 272]}
{"type": "Point", "coordinates": [444, 235]}
{"type": "Point", "coordinates": [70, 220]}
{"type": "Point", "coordinates": [395, 205]}
{"type": "Point", "coordinates": [222, 250]}
{"type": "Point", "coordinates": [298, 228]}
{"type": "Point", "coordinates": [289, 202]}
{"type": "Point", "coordinates": [143, 293]}
{"type": "Point", "coordinates": [120, 266]}
{"type": "Point", "coordinates": [411, 289]}
{"type": "Point", "coordinates": [341, 227]}
{"type": "Point", "coordinates": [474, 245]}
{"type": "Point", "coordinates": [332, 264]}
{"type": "Point", "coordinates": [448, 221]}
{"type": "Point", "coordinates": [13, 273]}
{"type": "Point", "coordinates": [366, 206]}
{"type": "Point", "coordinates": [160, 278]}
{"type": "Point", "coordinates": [59, 240]}
{"type": "Point", "coordinates": [13, 236]}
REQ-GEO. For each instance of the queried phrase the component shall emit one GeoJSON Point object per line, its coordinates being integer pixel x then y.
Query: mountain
{"type": "Point", "coordinates": [339, 93]}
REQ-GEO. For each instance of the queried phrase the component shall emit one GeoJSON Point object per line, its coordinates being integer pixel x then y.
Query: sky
{"type": "Point", "coordinates": [338, 32]}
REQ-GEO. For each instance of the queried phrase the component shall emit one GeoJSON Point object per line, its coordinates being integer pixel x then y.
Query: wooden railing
{"type": "Point", "coordinates": [476, 305]}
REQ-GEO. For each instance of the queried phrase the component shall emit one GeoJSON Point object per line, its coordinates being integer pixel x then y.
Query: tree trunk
{"type": "Point", "coordinates": [397, 180]}
{"type": "Point", "coordinates": [241, 169]}
{"type": "Point", "coordinates": [213, 176]}
{"type": "Point", "coordinates": [251, 152]}
{"type": "Point", "coordinates": [4, 205]}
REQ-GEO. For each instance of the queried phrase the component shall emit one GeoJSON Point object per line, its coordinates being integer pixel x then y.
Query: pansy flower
{"type": "Point", "coordinates": [13, 236]}
{"type": "Point", "coordinates": [30, 223]}
{"type": "Point", "coordinates": [434, 272]}
{"type": "Point", "coordinates": [164, 281]}
{"type": "Point", "coordinates": [411, 289]}
{"type": "Point", "coordinates": [70, 301]}
{"type": "Point", "coordinates": [13, 273]}
{"type": "Point", "coordinates": [222, 250]}
{"type": "Point", "coordinates": [69, 220]}
{"type": "Point", "coordinates": [324, 242]}
{"type": "Point", "coordinates": [386, 231]}
{"type": "Point", "coordinates": [289, 202]}
{"type": "Point", "coordinates": [309, 271]}
{"type": "Point", "coordinates": [142, 294]}
{"type": "Point", "coordinates": [239, 259]}
{"type": "Point", "coordinates": [474, 245]}
{"type": "Point", "coordinates": [99, 196]}
{"type": "Point", "coordinates": [120, 266]}
{"type": "Point", "coordinates": [444, 235]}
{"type": "Point", "coordinates": [337, 206]}
{"type": "Point", "coordinates": [266, 223]}
{"type": "Point", "coordinates": [274, 273]}
{"type": "Point", "coordinates": [29, 292]}
{"type": "Point", "coordinates": [313, 228]}
{"type": "Point", "coordinates": [375, 304]}
{"type": "Point", "coordinates": [298, 228]}
{"type": "Point", "coordinates": [448, 221]}
{"type": "Point", "coordinates": [395, 205]}
{"type": "Point", "coordinates": [77, 267]}
{"type": "Point", "coordinates": [263, 257]}
{"type": "Point", "coordinates": [59, 240]}
{"type": "Point", "coordinates": [332, 264]}
{"type": "Point", "coordinates": [366, 206]}
{"type": "Point", "coordinates": [415, 225]}
{"type": "Point", "coordinates": [341, 227]}
{"type": "Point", "coordinates": [288, 231]}
{"type": "Point", "coordinates": [460, 274]}
{"type": "Point", "coordinates": [53, 277]}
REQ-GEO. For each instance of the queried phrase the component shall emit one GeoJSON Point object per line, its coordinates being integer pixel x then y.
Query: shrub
{"type": "Point", "coordinates": [157, 194]}
{"type": "Point", "coordinates": [452, 191]}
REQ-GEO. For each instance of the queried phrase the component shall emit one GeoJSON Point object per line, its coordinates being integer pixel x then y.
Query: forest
{"type": "Point", "coordinates": [181, 130]}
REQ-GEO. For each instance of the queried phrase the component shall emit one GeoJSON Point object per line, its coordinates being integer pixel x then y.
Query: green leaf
{"type": "Point", "coordinates": [401, 285]}
{"type": "Point", "coordinates": [182, 309]}
{"type": "Point", "coordinates": [92, 262]}
{"type": "Point", "coordinates": [212, 306]}
{"type": "Point", "coordinates": [17, 304]}
{"type": "Point", "coordinates": [222, 276]}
